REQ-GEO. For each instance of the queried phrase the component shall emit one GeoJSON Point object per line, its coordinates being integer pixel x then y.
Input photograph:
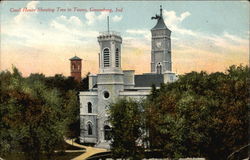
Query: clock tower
{"type": "Point", "coordinates": [160, 46]}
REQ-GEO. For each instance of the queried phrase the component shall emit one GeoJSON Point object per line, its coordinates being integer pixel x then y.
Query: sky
{"type": "Point", "coordinates": [207, 35]}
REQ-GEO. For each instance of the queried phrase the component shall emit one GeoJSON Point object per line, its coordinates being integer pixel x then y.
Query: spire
{"type": "Point", "coordinates": [160, 21]}
{"type": "Point", "coordinates": [108, 23]}
{"type": "Point", "coordinates": [160, 11]}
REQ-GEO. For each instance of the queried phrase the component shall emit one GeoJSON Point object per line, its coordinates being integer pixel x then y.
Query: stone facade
{"type": "Point", "coordinates": [112, 83]}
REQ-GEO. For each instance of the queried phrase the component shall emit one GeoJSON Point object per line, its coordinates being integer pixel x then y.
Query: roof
{"type": "Point", "coordinates": [147, 80]}
{"type": "Point", "coordinates": [160, 25]}
{"type": "Point", "coordinates": [160, 21]}
{"type": "Point", "coordinates": [75, 58]}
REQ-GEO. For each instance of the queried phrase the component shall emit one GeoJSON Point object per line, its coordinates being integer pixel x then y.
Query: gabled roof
{"type": "Point", "coordinates": [75, 58]}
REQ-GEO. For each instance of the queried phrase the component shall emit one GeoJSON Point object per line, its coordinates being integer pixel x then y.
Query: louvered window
{"type": "Point", "coordinates": [106, 57]}
{"type": "Point", "coordinates": [117, 57]}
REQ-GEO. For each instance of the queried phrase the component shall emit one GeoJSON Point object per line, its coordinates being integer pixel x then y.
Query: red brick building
{"type": "Point", "coordinates": [76, 68]}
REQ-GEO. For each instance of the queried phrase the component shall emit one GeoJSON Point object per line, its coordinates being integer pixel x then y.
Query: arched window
{"type": "Point", "coordinates": [159, 68]}
{"type": "Point", "coordinates": [89, 107]}
{"type": "Point", "coordinates": [117, 57]}
{"type": "Point", "coordinates": [107, 132]}
{"type": "Point", "coordinates": [106, 56]}
{"type": "Point", "coordinates": [90, 132]}
{"type": "Point", "coordinates": [73, 66]}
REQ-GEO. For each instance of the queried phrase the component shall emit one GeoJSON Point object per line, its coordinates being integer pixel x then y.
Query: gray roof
{"type": "Point", "coordinates": [160, 24]}
{"type": "Point", "coordinates": [75, 58]}
{"type": "Point", "coordinates": [147, 80]}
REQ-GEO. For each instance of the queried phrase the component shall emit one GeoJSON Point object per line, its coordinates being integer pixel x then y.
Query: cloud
{"type": "Point", "coordinates": [141, 32]}
{"type": "Point", "coordinates": [234, 38]}
{"type": "Point", "coordinates": [174, 22]}
{"type": "Point", "coordinates": [137, 31]}
{"type": "Point", "coordinates": [73, 26]}
{"type": "Point", "coordinates": [92, 17]}
{"type": "Point", "coordinates": [63, 23]}
{"type": "Point", "coordinates": [137, 38]}
{"type": "Point", "coordinates": [117, 18]}
{"type": "Point", "coordinates": [62, 31]}
{"type": "Point", "coordinates": [103, 16]}
{"type": "Point", "coordinates": [71, 20]}
{"type": "Point", "coordinates": [188, 39]}
{"type": "Point", "coordinates": [132, 42]}
{"type": "Point", "coordinates": [33, 47]}
{"type": "Point", "coordinates": [25, 15]}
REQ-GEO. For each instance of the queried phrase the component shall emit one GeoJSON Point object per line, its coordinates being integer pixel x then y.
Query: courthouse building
{"type": "Point", "coordinates": [112, 83]}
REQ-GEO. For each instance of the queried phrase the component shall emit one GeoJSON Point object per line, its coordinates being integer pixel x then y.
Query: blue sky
{"type": "Point", "coordinates": [207, 35]}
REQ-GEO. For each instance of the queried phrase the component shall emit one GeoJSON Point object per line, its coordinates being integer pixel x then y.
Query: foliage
{"type": "Point", "coordinates": [126, 121]}
{"type": "Point", "coordinates": [36, 112]}
{"type": "Point", "coordinates": [200, 115]}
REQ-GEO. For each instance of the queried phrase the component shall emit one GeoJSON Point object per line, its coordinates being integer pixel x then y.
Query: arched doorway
{"type": "Point", "coordinates": [107, 132]}
{"type": "Point", "coordinates": [89, 128]}
{"type": "Point", "coordinates": [159, 68]}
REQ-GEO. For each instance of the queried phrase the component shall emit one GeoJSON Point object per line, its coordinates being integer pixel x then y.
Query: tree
{"type": "Point", "coordinates": [200, 115]}
{"type": "Point", "coordinates": [125, 118]}
{"type": "Point", "coordinates": [34, 117]}
{"type": "Point", "coordinates": [68, 89]}
{"type": "Point", "coordinates": [84, 84]}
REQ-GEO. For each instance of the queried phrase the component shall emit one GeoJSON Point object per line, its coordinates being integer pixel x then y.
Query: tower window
{"type": "Point", "coordinates": [73, 66]}
{"type": "Point", "coordinates": [90, 132]}
{"type": "Point", "coordinates": [78, 67]}
{"type": "Point", "coordinates": [159, 69]}
{"type": "Point", "coordinates": [117, 57]}
{"type": "Point", "coordinates": [89, 107]}
{"type": "Point", "coordinates": [106, 56]}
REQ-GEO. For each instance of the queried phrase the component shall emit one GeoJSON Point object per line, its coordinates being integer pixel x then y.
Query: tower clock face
{"type": "Point", "coordinates": [158, 44]}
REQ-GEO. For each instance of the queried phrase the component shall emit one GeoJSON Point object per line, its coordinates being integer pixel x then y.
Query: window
{"type": "Point", "coordinates": [117, 57]}
{"type": "Point", "coordinates": [106, 56]}
{"type": "Point", "coordinates": [171, 78]}
{"type": "Point", "coordinates": [158, 69]}
{"type": "Point", "coordinates": [73, 66]}
{"type": "Point", "coordinates": [107, 132]}
{"type": "Point", "coordinates": [90, 129]}
{"type": "Point", "coordinates": [106, 94]}
{"type": "Point", "coordinates": [89, 107]}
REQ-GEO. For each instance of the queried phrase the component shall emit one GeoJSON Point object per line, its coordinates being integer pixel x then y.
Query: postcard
{"type": "Point", "coordinates": [117, 49]}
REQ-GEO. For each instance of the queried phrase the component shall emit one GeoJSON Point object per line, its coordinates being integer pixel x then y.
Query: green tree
{"type": "Point", "coordinates": [201, 115]}
{"type": "Point", "coordinates": [126, 121]}
{"type": "Point", "coordinates": [34, 117]}
{"type": "Point", "coordinates": [8, 135]}
{"type": "Point", "coordinates": [68, 89]}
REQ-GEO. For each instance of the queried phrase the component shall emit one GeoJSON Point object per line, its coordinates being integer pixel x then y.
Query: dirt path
{"type": "Point", "coordinates": [89, 150]}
